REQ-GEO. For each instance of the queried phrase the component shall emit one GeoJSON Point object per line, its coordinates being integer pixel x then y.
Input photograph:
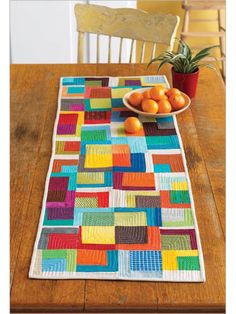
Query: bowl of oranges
{"type": "Point", "coordinates": [156, 101]}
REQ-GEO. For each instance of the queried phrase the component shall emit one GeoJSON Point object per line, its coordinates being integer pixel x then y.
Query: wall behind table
{"type": "Point", "coordinates": [45, 32]}
{"type": "Point", "coordinates": [174, 7]}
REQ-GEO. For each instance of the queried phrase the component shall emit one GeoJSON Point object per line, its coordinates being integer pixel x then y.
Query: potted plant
{"type": "Point", "coordinates": [185, 66]}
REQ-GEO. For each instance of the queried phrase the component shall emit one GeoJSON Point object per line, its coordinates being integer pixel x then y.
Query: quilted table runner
{"type": "Point", "coordinates": [116, 205]}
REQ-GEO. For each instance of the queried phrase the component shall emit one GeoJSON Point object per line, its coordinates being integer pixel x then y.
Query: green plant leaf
{"type": "Point", "coordinates": [203, 53]}
{"type": "Point", "coordinates": [207, 65]}
{"type": "Point", "coordinates": [161, 64]}
{"type": "Point", "coordinates": [183, 61]}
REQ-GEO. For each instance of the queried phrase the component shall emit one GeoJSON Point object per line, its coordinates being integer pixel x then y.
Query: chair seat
{"type": "Point", "coordinates": [204, 5]}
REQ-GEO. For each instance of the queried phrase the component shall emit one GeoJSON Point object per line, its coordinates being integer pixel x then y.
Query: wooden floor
{"type": "Point", "coordinates": [34, 90]}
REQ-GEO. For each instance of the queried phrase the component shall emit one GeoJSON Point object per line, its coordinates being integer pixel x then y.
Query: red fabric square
{"type": "Point", "coordinates": [72, 146]}
{"type": "Point", "coordinates": [65, 118]}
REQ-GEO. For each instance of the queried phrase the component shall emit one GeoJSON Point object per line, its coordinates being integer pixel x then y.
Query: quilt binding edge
{"type": "Point", "coordinates": [40, 224]}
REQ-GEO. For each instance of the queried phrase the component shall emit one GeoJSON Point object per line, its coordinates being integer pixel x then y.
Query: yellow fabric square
{"type": "Point", "coordinates": [78, 130]}
{"type": "Point", "coordinates": [98, 161]}
{"type": "Point", "coordinates": [90, 178]}
{"type": "Point", "coordinates": [98, 156]}
{"type": "Point", "coordinates": [120, 92]}
{"type": "Point", "coordinates": [130, 219]}
{"type": "Point", "coordinates": [98, 235]}
{"type": "Point", "coordinates": [100, 103]}
{"type": "Point", "coordinates": [80, 117]}
{"type": "Point", "coordinates": [187, 252]}
{"type": "Point", "coordinates": [98, 149]}
{"type": "Point", "coordinates": [169, 258]}
{"type": "Point", "coordinates": [179, 186]}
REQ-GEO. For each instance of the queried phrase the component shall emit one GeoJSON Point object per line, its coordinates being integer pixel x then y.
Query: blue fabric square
{"type": "Point", "coordinates": [75, 90]}
{"type": "Point", "coordinates": [54, 264]}
{"type": "Point", "coordinates": [145, 261]}
{"type": "Point", "coordinates": [162, 168]}
{"type": "Point", "coordinates": [70, 169]}
{"type": "Point", "coordinates": [73, 81]}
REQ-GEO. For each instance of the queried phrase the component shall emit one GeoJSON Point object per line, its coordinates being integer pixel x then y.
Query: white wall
{"type": "Point", "coordinates": [45, 31]}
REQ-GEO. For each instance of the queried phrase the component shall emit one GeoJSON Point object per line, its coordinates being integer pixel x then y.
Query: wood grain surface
{"type": "Point", "coordinates": [156, 28]}
{"type": "Point", "coordinates": [34, 90]}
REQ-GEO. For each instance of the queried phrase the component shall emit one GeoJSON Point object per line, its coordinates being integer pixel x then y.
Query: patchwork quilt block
{"type": "Point", "coordinates": [116, 205]}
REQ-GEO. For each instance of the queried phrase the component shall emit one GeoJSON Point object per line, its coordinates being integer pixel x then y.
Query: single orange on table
{"type": "Point", "coordinates": [173, 91]}
{"type": "Point", "coordinates": [135, 99]}
{"type": "Point", "coordinates": [157, 93]}
{"type": "Point", "coordinates": [164, 106]}
{"type": "Point", "coordinates": [150, 105]}
{"type": "Point", "coordinates": [177, 101]}
{"type": "Point", "coordinates": [146, 94]}
{"type": "Point", "coordinates": [132, 125]}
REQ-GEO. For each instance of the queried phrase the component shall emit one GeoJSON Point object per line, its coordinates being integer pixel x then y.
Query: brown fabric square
{"type": "Point", "coordinates": [151, 129]}
{"type": "Point", "coordinates": [56, 196]}
{"type": "Point", "coordinates": [143, 201]}
{"type": "Point", "coordinates": [131, 235]}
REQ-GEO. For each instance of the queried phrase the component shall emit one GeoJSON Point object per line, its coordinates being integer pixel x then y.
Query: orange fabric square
{"type": "Point", "coordinates": [121, 160]}
{"type": "Point", "coordinates": [165, 201]}
{"type": "Point", "coordinates": [120, 149]}
{"type": "Point", "coordinates": [58, 163]}
{"type": "Point", "coordinates": [174, 160]}
{"type": "Point", "coordinates": [138, 179]}
{"type": "Point", "coordinates": [92, 257]}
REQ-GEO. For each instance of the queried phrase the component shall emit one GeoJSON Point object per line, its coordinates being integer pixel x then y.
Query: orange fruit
{"type": "Point", "coordinates": [177, 101]}
{"type": "Point", "coordinates": [132, 125]}
{"type": "Point", "coordinates": [150, 105]}
{"type": "Point", "coordinates": [173, 91]}
{"type": "Point", "coordinates": [157, 92]}
{"type": "Point", "coordinates": [135, 99]}
{"type": "Point", "coordinates": [164, 97]}
{"type": "Point", "coordinates": [146, 94]}
{"type": "Point", "coordinates": [164, 106]}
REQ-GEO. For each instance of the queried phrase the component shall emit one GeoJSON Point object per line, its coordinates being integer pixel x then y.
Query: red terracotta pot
{"type": "Point", "coordinates": [186, 82]}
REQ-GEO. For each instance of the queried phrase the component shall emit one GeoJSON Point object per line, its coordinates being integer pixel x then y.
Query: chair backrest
{"type": "Point", "coordinates": [133, 24]}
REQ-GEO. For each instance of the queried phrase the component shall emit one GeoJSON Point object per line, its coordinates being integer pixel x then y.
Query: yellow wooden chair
{"type": "Point", "coordinates": [134, 24]}
{"type": "Point", "coordinates": [200, 5]}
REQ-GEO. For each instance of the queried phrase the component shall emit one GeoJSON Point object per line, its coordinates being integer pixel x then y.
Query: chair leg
{"type": "Point", "coordinates": [185, 23]}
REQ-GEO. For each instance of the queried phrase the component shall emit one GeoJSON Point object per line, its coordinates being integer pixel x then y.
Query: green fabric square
{"type": "Point", "coordinates": [175, 242]}
{"type": "Point", "coordinates": [96, 135]}
{"type": "Point", "coordinates": [188, 263]}
{"type": "Point", "coordinates": [69, 255]}
{"type": "Point", "coordinates": [54, 254]}
{"type": "Point", "coordinates": [98, 219]}
{"type": "Point", "coordinates": [93, 83]}
{"type": "Point", "coordinates": [100, 103]}
{"type": "Point", "coordinates": [86, 202]}
{"type": "Point", "coordinates": [179, 197]}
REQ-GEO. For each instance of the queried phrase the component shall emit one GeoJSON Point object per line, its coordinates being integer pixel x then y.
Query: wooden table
{"type": "Point", "coordinates": [34, 90]}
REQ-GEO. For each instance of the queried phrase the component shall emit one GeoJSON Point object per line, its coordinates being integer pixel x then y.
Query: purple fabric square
{"type": "Point", "coordinates": [77, 107]}
{"type": "Point", "coordinates": [66, 129]}
{"type": "Point", "coordinates": [60, 213]}
{"type": "Point", "coordinates": [133, 83]}
{"type": "Point", "coordinates": [69, 201]}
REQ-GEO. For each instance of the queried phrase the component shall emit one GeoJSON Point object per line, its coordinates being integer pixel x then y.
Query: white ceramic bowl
{"type": "Point", "coordinates": [155, 115]}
